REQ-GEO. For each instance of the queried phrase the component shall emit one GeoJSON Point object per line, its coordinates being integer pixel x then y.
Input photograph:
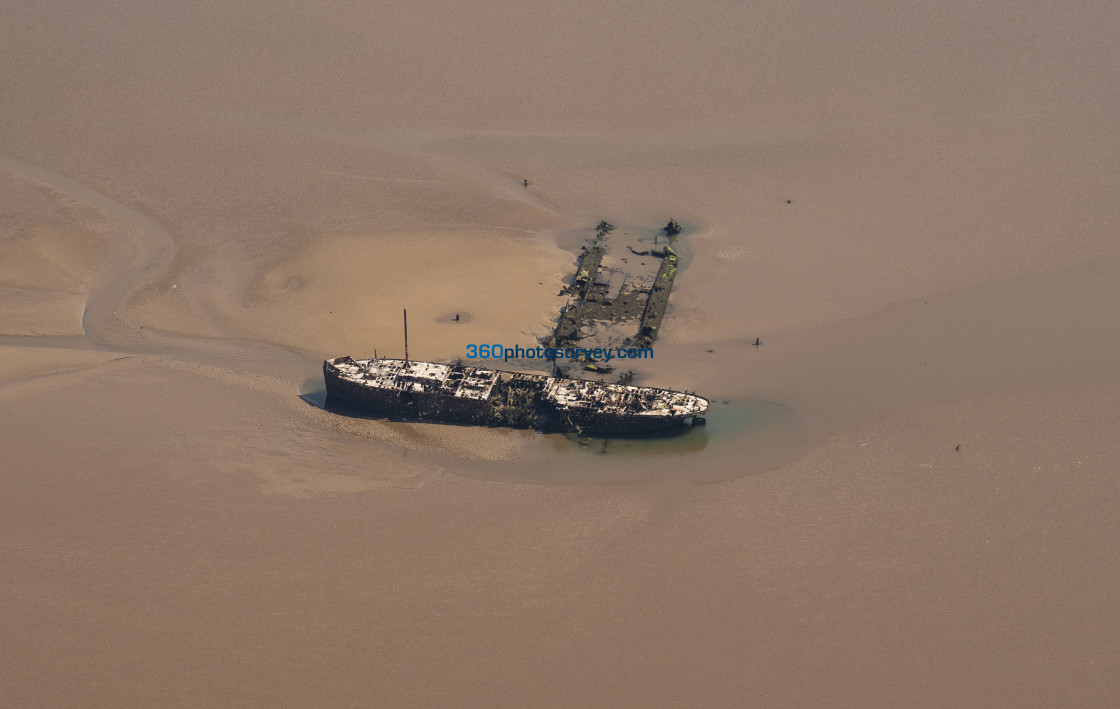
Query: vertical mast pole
{"type": "Point", "coordinates": [406, 335]}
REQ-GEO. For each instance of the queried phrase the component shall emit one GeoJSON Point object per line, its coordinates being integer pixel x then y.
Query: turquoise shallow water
{"type": "Point", "coordinates": [739, 437]}
{"type": "Point", "coordinates": [742, 437]}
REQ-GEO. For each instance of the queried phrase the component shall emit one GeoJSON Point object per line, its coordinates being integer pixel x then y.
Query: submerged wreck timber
{"type": "Point", "coordinates": [427, 391]}
{"type": "Point", "coordinates": [617, 286]}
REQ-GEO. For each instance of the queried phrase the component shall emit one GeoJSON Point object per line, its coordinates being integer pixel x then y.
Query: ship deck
{"type": "Point", "coordinates": [624, 400]}
{"type": "Point", "coordinates": [462, 382]}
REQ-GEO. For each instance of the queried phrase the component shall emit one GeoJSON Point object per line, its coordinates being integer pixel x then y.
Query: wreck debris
{"type": "Point", "coordinates": [658, 300]}
{"type": "Point", "coordinates": [609, 292]}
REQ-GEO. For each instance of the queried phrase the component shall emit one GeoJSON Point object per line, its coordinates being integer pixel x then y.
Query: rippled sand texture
{"type": "Point", "coordinates": [906, 496]}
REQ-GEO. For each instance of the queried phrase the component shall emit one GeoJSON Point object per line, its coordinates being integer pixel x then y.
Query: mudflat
{"type": "Point", "coordinates": [905, 495]}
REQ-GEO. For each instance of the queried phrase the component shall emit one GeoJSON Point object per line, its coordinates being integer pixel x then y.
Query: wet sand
{"type": "Point", "coordinates": [904, 496]}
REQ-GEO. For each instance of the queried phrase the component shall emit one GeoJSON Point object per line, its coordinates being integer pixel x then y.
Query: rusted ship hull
{"type": "Point", "coordinates": [425, 391]}
{"type": "Point", "coordinates": [417, 406]}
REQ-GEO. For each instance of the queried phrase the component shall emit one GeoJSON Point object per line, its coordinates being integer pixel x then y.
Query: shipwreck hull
{"type": "Point", "coordinates": [502, 399]}
{"type": "Point", "coordinates": [606, 424]}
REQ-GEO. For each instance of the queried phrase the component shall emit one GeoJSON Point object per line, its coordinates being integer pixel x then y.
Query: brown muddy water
{"type": "Point", "coordinates": [905, 495]}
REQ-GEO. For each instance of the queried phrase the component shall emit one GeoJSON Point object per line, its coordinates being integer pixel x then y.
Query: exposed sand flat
{"type": "Point", "coordinates": [45, 276]}
{"type": "Point", "coordinates": [913, 206]}
{"type": "Point", "coordinates": [344, 293]}
{"type": "Point", "coordinates": [27, 312]}
{"type": "Point", "coordinates": [51, 258]}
